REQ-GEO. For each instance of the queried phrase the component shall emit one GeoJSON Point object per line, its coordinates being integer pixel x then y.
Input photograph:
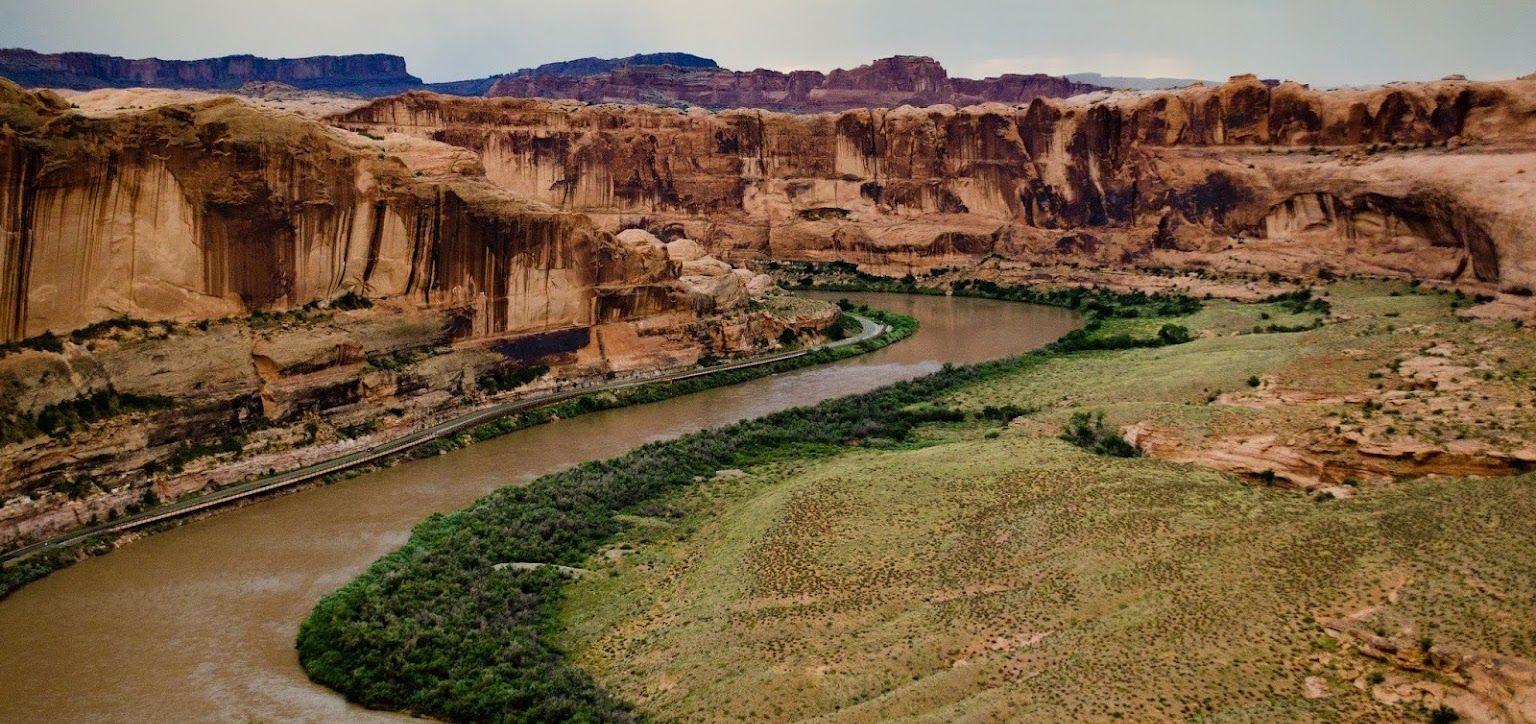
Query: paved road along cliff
{"type": "Point", "coordinates": [870, 330]}
{"type": "Point", "coordinates": [198, 622]}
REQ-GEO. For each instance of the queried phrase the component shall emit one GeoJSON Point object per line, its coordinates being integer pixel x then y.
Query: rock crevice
{"type": "Point", "coordinates": [1425, 179]}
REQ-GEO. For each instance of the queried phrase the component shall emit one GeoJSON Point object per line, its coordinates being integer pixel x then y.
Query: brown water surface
{"type": "Point", "coordinates": [197, 623]}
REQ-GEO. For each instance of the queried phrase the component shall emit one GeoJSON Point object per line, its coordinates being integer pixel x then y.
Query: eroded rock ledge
{"type": "Point", "coordinates": [1434, 180]}
{"type": "Point", "coordinates": [196, 293]}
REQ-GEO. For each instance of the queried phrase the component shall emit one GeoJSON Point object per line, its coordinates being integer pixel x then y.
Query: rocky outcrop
{"type": "Point", "coordinates": [662, 78]}
{"type": "Point", "coordinates": [201, 292]}
{"type": "Point", "coordinates": [1426, 179]}
{"type": "Point", "coordinates": [1477, 685]}
{"type": "Point", "coordinates": [888, 82]}
{"type": "Point", "coordinates": [598, 66]}
{"type": "Point", "coordinates": [217, 209]}
{"type": "Point", "coordinates": [371, 75]}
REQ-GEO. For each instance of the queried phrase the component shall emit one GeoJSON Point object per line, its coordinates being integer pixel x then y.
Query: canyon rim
{"type": "Point", "coordinates": [1011, 376]}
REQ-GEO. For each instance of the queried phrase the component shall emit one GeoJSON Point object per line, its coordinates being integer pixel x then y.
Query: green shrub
{"type": "Point", "coordinates": [431, 628]}
{"type": "Point", "coordinates": [45, 342]}
{"type": "Point", "coordinates": [351, 300]}
{"type": "Point", "coordinates": [509, 378]}
{"type": "Point", "coordinates": [62, 418]}
{"type": "Point", "coordinates": [1092, 301]}
{"type": "Point", "coordinates": [357, 430]}
{"type": "Point", "coordinates": [1173, 334]}
{"type": "Point", "coordinates": [838, 331]}
{"type": "Point", "coordinates": [1005, 413]}
{"type": "Point", "coordinates": [1086, 430]}
{"type": "Point", "coordinates": [195, 450]}
{"type": "Point", "coordinates": [1301, 301]}
{"type": "Point", "coordinates": [108, 325]}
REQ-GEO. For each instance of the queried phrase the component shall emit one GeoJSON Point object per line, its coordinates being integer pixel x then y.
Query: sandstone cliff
{"type": "Point", "coordinates": [597, 66]}
{"type": "Point", "coordinates": [663, 80]}
{"type": "Point", "coordinates": [197, 293]}
{"type": "Point", "coordinates": [217, 209]}
{"type": "Point", "coordinates": [362, 74]}
{"type": "Point", "coordinates": [1414, 179]}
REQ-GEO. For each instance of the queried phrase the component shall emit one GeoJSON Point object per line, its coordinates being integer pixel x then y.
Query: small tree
{"type": "Point", "coordinates": [1174, 334]}
{"type": "Point", "coordinates": [1086, 430]}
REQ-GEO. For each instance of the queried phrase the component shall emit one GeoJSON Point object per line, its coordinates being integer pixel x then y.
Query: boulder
{"type": "Point", "coordinates": [684, 250]}
{"type": "Point", "coordinates": [642, 257]}
{"type": "Point", "coordinates": [637, 237]}
{"type": "Point", "coordinates": [706, 267]}
{"type": "Point", "coordinates": [715, 293]}
{"type": "Point", "coordinates": [760, 284]}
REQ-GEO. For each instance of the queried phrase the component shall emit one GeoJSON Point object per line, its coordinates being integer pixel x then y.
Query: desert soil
{"type": "Point", "coordinates": [990, 570]}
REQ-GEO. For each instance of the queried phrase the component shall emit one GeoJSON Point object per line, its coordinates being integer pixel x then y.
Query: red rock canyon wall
{"type": "Point", "coordinates": [1414, 179]}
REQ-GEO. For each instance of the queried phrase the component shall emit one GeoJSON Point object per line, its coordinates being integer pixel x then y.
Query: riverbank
{"type": "Point", "coordinates": [1012, 551]}
{"type": "Point", "coordinates": [34, 561]}
{"type": "Point", "coordinates": [351, 642]}
{"type": "Point", "coordinates": [238, 584]}
{"type": "Point", "coordinates": [1265, 556]}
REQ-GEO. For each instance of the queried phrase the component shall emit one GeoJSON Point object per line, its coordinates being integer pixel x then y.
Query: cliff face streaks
{"type": "Point", "coordinates": [216, 208]}
{"type": "Point", "coordinates": [1427, 176]}
{"type": "Point", "coordinates": [204, 292]}
{"type": "Point", "coordinates": [600, 236]}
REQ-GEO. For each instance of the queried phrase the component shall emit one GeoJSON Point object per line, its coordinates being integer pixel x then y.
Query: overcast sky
{"type": "Point", "coordinates": [1325, 42]}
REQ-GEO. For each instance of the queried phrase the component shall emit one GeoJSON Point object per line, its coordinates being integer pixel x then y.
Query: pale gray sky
{"type": "Point", "coordinates": [1325, 42]}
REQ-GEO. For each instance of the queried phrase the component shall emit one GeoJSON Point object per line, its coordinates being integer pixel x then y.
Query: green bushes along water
{"type": "Point", "coordinates": [433, 628]}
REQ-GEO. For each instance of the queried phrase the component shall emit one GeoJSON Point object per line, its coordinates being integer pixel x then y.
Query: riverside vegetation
{"type": "Point", "coordinates": [1026, 571]}
{"type": "Point", "coordinates": [1096, 302]}
{"type": "Point", "coordinates": [902, 553]}
{"type": "Point", "coordinates": [434, 628]}
{"type": "Point", "coordinates": [19, 573]}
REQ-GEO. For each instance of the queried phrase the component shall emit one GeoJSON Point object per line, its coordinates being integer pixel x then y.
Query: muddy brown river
{"type": "Point", "coordinates": [197, 623]}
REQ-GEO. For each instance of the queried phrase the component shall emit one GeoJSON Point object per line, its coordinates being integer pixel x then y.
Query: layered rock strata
{"type": "Point", "coordinates": [372, 75]}
{"type": "Point", "coordinates": [197, 293]}
{"type": "Point", "coordinates": [664, 80]}
{"type": "Point", "coordinates": [1434, 180]}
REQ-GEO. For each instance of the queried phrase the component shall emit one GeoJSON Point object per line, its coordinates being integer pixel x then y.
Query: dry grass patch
{"type": "Point", "coordinates": [1020, 577]}
{"type": "Point", "coordinates": [1397, 384]}
{"type": "Point", "coordinates": [1003, 573]}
